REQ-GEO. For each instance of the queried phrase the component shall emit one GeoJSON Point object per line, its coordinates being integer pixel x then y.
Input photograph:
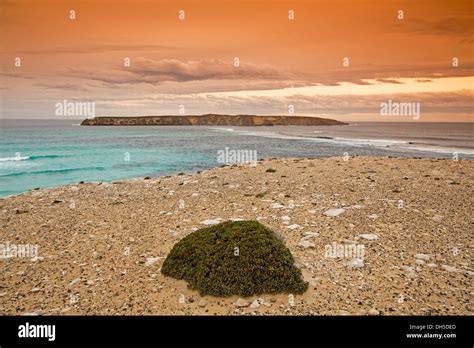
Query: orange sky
{"type": "Point", "coordinates": [283, 62]}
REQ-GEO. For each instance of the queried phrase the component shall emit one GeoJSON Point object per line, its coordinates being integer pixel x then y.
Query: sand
{"type": "Point", "coordinates": [101, 245]}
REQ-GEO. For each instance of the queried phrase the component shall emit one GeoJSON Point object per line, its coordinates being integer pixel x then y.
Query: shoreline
{"type": "Point", "coordinates": [101, 244]}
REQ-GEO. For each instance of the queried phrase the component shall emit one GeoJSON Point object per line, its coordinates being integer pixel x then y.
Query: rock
{"type": "Point", "coordinates": [310, 234]}
{"type": "Point", "coordinates": [424, 257]}
{"type": "Point", "coordinates": [74, 282]}
{"type": "Point", "coordinates": [211, 222]}
{"type": "Point", "coordinates": [432, 265]}
{"type": "Point", "coordinates": [241, 303]}
{"type": "Point", "coordinates": [285, 219]}
{"type": "Point", "coordinates": [277, 206]}
{"type": "Point", "coordinates": [35, 290]}
{"type": "Point", "coordinates": [294, 226]}
{"type": "Point", "coordinates": [255, 304]}
{"type": "Point", "coordinates": [419, 262]}
{"type": "Point", "coordinates": [373, 312]}
{"type": "Point", "coordinates": [305, 244]}
{"type": "Point", "coordinates": [356, 263]}
{"type": "Point", "coordinates": [437, 218]}
{"type": "Point", "coordinates": [152, 260]}
{"type": "Point", "coordinates": [373, 216]}
{"type": "Point", "coordinates": [202, 303]}
{"type": "Point", "coordinates": [449, 268]}
{"type": "Point", "coordinates": [334, 212]}
{"type": "Point", "coordinates": [369, 236]}
{"type": "Point", "coordinates": [410, 271]}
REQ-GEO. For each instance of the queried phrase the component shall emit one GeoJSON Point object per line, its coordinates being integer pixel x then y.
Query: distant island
{"type": "Point", "coordinates": [210, 120]}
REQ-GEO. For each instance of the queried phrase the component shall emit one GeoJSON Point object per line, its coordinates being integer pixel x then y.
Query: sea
{"type": "Point", "coordinates": [50, 153]}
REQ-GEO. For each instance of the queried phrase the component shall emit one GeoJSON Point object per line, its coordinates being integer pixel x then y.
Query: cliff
{"type": "Point", "coordinates": [210, 120]}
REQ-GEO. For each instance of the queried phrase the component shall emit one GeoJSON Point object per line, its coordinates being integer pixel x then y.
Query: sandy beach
{"type": "Point", "coordinates": [101, 245]}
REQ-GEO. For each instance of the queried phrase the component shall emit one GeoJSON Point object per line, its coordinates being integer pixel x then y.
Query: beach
{"type": "Point", "coordinates": [371, 235]}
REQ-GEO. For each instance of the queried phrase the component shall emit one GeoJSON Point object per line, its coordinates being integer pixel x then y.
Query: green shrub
{"type": "Point", "coordinates": [234, 258]}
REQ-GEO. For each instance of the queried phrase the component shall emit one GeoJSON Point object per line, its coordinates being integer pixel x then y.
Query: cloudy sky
{"type": "Point", "coordinates": [238, 57]}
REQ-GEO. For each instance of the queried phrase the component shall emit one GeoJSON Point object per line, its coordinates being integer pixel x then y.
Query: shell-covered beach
{"type": "Point", "coordinates": [100, 246]}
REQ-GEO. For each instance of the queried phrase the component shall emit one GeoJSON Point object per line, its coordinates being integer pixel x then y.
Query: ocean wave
{"type": "Point", "coordinates": [51, 171]}
{"type": "Point", "coordinates": [16, 158]}
{"type": "Point", "coordinates": [25, 158]}
{"type": "Point", "coordinates": [45, 156]}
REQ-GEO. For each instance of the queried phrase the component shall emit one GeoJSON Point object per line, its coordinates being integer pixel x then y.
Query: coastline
{"type": "Point", "coordinates": [101, 245]}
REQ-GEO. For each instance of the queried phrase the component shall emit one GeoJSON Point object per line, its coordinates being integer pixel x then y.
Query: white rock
{"type": "Point", "coordinates": [305, 244]}
{"type": "Point", "coordinates": [356, 263]}
{"type": "Point", "coordinates": [369, 236]}
{"type": "Point", "coordinates": [255, 304]}
{"type": "Point", "coordinates": [294, 226]}
{"type": "Point", "coordinates": [152, 260]}
{"type": "Point", "coordinates": [373, 216]}
{"type": "Point", "coordinates": [424, 257]}
{"type": "Point", "coordinates": [202, 303]}
{"type": "Point", "coordinates": [420, 262]}
{"type": "Point", "coordinates": [334, 212]}
{"type": "Point", "coordinates": [74, 281]}
{"type": "Point", "coordinates": [310, 234]}
{"type": "Point", "coordinates": [449, 268]}
{"type": "Point", "coordinates": [373, 312]}
{"type": "Point", "coordinates": [241, 303]}
{"type": "Point", "coordinates": [277, 206]}
{"type": "Point", "coordinates": [285, 219]}
{"type": "Point", "coordinates": [211, 222]}
{"type": "Point", "coordinates": [432, 265]}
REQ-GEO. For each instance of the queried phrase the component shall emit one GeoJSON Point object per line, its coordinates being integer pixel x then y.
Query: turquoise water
{"type": "Point", "coordinates": [45, 153]}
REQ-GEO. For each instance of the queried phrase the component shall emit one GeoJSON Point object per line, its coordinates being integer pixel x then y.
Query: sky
{"type": "Point", "coordinates": [334, 58]}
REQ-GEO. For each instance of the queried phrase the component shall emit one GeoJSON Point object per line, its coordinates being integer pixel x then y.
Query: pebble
{"type": "Point", "coordinates": [334, 212]}
{"type": "Point", "coordinates": [255, 304]}
{"type": "Point", "coordinates": [356, 263]}
{"type": "Point", "coordinates": [241, 303]}
{"type": "Point", "coordinates": [152, 260]}
{"type": "Point", "coordinates": [373, 312]}
{"type": "Point", "coordinates": [305, 244]}
{"type": "Point", "coordinates": [294, 226]}
{"type": "Point", "coordinates": [369, 236]}
{"type": "Point", "coordinates": [211, 222]}
{"type": "Point", "coordinates": [277, 206]}
{"type": "Point", "coordinates": [449, 268]}
{"type": "Point", "coordinates": [74, 282]}
{"type": "Point", "coordinates": [202, 303]}
{"type": "Point", "coordinates": [424, 257]}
